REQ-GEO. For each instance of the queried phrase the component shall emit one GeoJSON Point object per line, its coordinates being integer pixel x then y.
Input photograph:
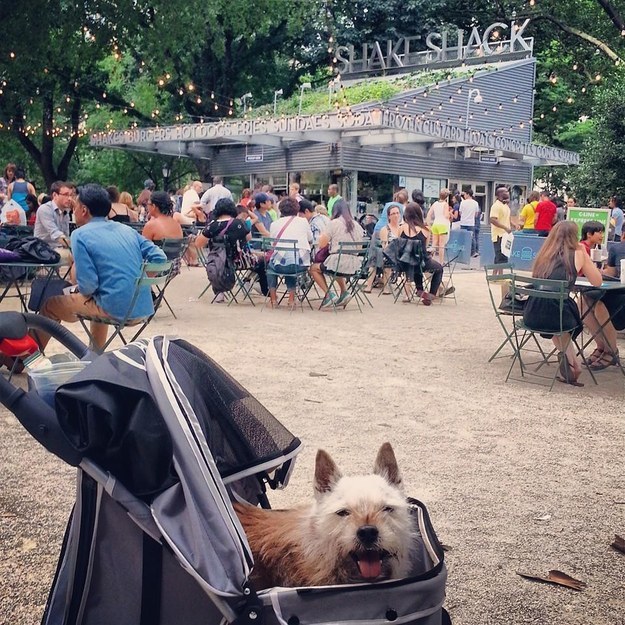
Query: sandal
{"type": "Point", "coordinates": [607, 359]}
{"type": "Point", "coordinates": [568, 373]}
{"type": "Point", "coordinates": [596, 355]}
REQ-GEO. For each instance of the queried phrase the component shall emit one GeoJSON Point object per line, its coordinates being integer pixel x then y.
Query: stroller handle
{"type": "Point", "coordinates": [37, 417]}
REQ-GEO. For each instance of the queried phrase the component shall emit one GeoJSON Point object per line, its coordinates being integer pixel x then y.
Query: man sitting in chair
{"type": "Point", "coordinates": [108, 257]}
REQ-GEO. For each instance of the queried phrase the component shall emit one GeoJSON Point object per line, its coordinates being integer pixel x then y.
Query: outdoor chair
{"type": "Point", "coordinates": [354, 282]}
{"type": "Point", "coordinates": [548, 290]}
{"type": "Point", "coordinates": [453, 255]}
{"type": "Point", "coordinates": [174, 249]}
{"type": "Point", "coordinates": [495, 282]}
{"type": "Point", "coordinates": [287, 248]}
{"type": "Point", "coordinates": [151, 275]}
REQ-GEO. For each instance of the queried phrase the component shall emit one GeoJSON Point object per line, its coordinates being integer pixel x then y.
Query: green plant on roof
{"type": "Point", "coordinates": [370, 90]}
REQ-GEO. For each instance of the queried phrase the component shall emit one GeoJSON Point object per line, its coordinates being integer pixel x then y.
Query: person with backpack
{"type": "Point", "coordinates": [226, 237]}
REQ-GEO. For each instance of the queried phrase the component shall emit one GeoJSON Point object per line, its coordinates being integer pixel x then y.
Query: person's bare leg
{"type": "Point", "coordinates": [370, 280]}
{"type": "Point", "coordinates": [342, 285]}
{"type": "Point", "coordinates": [387, 281]}
{"type": "Point", "coordinates": [318, 277]}
{"type": "Point", "coordinates": [604, 338]}
{"type": "Point", "coordinates": [435, 240]}
{"type": "Point", "coordinates": [442, 242]}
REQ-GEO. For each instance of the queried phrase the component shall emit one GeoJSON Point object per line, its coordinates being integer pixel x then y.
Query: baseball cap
{"type": "Point", "coordinates": [259, 198]}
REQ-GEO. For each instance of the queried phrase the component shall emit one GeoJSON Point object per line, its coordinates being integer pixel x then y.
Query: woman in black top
{"type": "Point", "coordinates": [233, 233]}
{"type": "Point", "coordinates": [562, 257]}
{"type": "Point", "coordinates": [414, 229]}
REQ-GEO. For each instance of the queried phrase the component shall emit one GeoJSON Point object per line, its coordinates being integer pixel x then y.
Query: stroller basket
{"type": "Point", "coordinates": [164, 439]}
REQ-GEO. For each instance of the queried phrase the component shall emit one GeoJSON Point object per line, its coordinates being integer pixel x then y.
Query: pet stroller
{"type": "Point", "coordinates": [164, 439]}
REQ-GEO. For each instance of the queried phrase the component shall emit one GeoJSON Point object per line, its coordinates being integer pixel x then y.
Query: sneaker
{"type": "Point", "coordinates": [449, 291]}
{"type": "Point", "coordinates": [344, 299]}
{"type": "Point", "coordinates": [329, 301]}
{"type": "Point", "coordinates": [476, 254]}
{"type": "Point", "coordinates": [220, 298]}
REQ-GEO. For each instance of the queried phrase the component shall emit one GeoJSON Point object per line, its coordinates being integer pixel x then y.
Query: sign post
{"type": "Point", "coordinates": [581, 215]}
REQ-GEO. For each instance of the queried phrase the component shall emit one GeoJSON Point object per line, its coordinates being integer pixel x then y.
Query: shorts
{"type": "Point", "coordinates": [439, 229]}
{"type": "Point", "coordinates": [500, 257]}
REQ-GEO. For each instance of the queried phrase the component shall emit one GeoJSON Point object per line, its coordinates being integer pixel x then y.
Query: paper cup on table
{"type": "Point", "coordinates": [622, 270]}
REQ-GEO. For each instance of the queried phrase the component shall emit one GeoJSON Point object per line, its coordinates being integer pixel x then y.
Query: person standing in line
{"type": "Point", "coordinates": [499, 219]}
{"type": "Point", "coordinates": [212, 195]}
{"type": "Point", "coordinates": [439, 218]}
{"type": "Point", "coordinates": [19, 189]}
{"type": "Point", "coordinates": [616, 216]}
{"type": "Point", "coordinates": [546, 215]}
{"type": "Point", "coordinates": [333, 192]}
{"type": "Point", "coordinates": [527, 216]}
{"type": "Point", "coordinates": [469, 211]}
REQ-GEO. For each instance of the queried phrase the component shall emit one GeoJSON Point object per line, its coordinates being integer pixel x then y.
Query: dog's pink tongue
{"type": "Point", "coordinates": [370, 565]}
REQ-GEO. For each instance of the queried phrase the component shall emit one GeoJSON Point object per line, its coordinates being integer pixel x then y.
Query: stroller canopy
{"type": "Point", "coordinates": [173, 427]}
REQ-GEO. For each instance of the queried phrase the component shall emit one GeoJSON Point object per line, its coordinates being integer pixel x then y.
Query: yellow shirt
{"type": "Point", "coordinates": [528, 215]}
{"type": "Point", "coordinates": [501, 212]}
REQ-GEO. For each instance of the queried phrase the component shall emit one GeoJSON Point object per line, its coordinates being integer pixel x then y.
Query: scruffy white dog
{"type": "Point", "coordinates": [358, 529]}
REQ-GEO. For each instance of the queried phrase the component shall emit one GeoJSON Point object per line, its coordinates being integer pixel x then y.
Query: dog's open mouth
{"type": "Point", "coordinates": [369, 562]}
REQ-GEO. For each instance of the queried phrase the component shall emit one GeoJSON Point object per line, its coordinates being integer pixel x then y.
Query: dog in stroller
{"type": "Point", "coordinates": [154, 538]}
{"type": "Point", "coordinates": [358, 529]}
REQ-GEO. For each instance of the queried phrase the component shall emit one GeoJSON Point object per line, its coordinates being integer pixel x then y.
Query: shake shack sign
{"type": "Point", "coordinates": [499, 40]}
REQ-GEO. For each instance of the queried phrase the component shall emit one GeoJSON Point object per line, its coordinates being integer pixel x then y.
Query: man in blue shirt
{"type": "Point", "coordinates": [108, 257]}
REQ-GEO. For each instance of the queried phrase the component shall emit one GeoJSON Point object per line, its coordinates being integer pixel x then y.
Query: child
{"type": "Point", "coordinates": [592, 235]}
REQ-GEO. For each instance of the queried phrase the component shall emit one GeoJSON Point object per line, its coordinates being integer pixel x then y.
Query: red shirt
{"type": "Point", "coordinates": [545, 212]}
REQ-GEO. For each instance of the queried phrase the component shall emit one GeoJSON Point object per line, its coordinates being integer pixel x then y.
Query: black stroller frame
{"type": "Point", "coordinates": [163, 440]}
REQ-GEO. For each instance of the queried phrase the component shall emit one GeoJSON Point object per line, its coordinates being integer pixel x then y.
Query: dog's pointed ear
{"type": "Point", "coordinates": [386, 465]}
{"type": "Point", "coordinates": [327, 474]}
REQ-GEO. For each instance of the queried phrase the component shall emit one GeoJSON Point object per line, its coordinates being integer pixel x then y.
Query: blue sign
{"type": "Point", "coordinates": [524, 250]}
{"type": "Point", "coordinates": [459, 245]}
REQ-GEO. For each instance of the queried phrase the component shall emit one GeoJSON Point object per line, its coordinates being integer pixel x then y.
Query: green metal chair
{"type": "Point", "coordinates": [287, 248]}
{"type": "Point", "coordinates": [355, 281]}
{"type": "Point", "coordinates": [174, 249]}
{"type": "Point", "coordinates": [556, 291]}
{"type": "Point", "coordinates": [151, 275]}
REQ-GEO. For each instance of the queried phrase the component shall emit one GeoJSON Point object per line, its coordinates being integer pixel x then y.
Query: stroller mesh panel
{"type": "Point", "coordinates": [240, 431]}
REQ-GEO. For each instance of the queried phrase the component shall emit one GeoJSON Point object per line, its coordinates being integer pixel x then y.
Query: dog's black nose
{"type": "Point", "coordinates": [367, 534]}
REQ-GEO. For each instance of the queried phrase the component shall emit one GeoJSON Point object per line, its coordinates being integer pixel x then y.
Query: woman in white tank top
{"type": "Point", "coordinates": [438, 216]}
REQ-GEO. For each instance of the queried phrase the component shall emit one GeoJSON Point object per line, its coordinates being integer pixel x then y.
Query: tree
{"type": "Point", "coordinates": [602, 172]}
{"type": "Point", "coordinates": [48, 78]}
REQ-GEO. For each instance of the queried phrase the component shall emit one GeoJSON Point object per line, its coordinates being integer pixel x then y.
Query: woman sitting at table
{"type": "Point", "coordinates": [608, 314]}
{"type": "Point", "coordinates": [161, 225]}
{"type": "Point", "coordinates": [561, 257]}
{"type": "Point", "coordinates": [343, 228]}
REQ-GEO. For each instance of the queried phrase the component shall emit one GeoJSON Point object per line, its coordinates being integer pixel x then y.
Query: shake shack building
{"type": "Point", "coordinates": [461, 119]}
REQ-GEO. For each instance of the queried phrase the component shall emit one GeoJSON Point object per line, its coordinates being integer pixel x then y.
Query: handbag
{"type": "Point", "coordinates": [269, 253]}
{"type": "Point", "coordinates": [322, 254]}
{"type": "Point", "coordinates": [42, 289]}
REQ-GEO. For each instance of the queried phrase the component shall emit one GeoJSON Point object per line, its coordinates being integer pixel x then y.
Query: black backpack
{"type": "Point", "coordinates": [219, 266]}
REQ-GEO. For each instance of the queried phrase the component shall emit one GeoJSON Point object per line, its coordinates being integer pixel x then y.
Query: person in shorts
{"type": "Point", "coordinates": [500, 222]}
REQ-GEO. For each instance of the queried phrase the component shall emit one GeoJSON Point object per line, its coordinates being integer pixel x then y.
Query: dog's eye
{"type": "Point", "coordinates": [388, 509]}
{"type": "Point", "coordinates": [342, 512]}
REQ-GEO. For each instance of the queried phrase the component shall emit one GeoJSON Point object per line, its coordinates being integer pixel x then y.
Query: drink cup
{"type": "Point", "coordinates": [622, 270]}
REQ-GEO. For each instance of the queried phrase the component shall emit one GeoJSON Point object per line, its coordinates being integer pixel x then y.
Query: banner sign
{"type": "Point", "coordinates": [581, 215]}
{"type": "Point", "coordinates": [374, 119]}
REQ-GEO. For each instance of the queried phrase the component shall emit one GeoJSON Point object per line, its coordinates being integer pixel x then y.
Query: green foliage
{"type": "Point", "coordinates": [602, 172]}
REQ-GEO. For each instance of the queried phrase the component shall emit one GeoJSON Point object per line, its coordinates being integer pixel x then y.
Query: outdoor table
{"type": "Point", "coordinates": [15, 277]}
{"type": "Point", "coordinates": [582, 286]}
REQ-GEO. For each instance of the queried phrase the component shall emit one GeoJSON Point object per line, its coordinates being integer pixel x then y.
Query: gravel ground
{"type": "Point", "coordinates": [515, 478]}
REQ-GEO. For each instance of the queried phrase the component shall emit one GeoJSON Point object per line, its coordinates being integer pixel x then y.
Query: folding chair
{"type": "Point", "coordinates": [151, 275]}
{"type": "Point", "coordinates": [556, 291]}
{"type": "Point", "coordinates": [453, 254]}
{"type": "Point", "coordinates": [354, 281]}
{"type": "Point", "coordinates": [287, 249]}
{"type": "Point", "coordinates": [174, 249]}
{"type": "Point", "coordinates": [494, 282]}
